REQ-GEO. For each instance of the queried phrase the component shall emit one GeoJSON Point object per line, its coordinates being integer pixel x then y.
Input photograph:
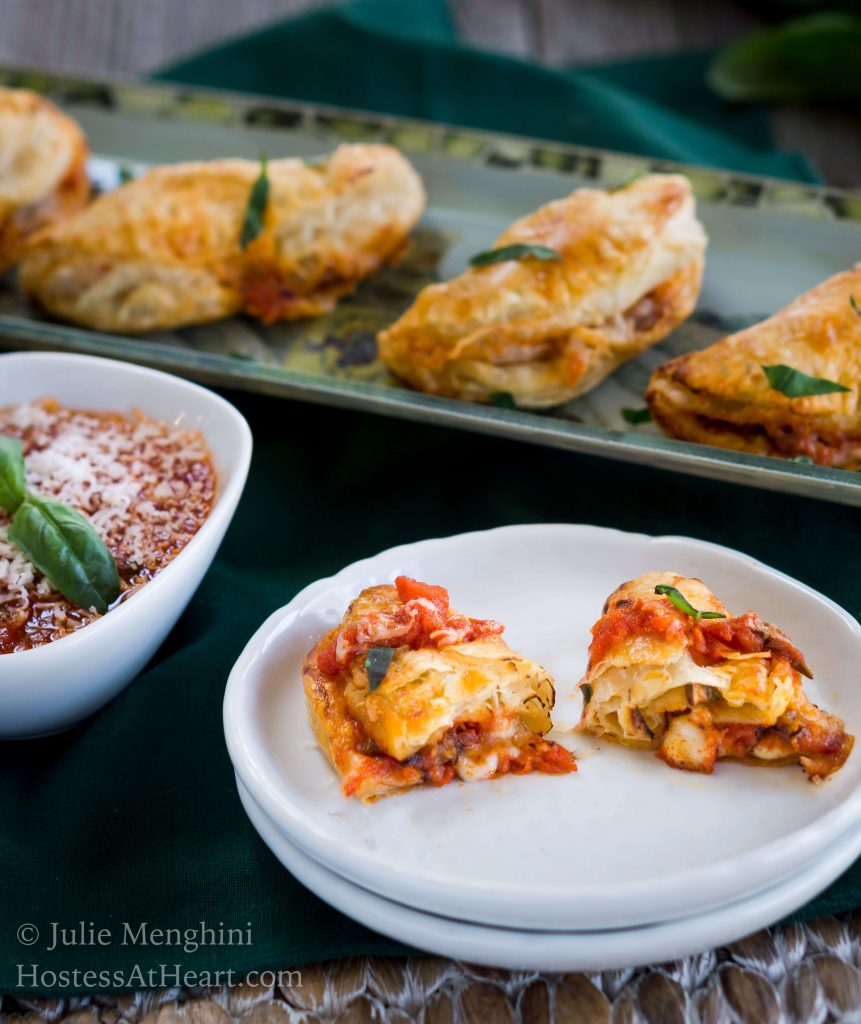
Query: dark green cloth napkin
{"type": "Point", "coordinates": [133, 817]}
{"type": "Point", "coordinates": [402, 57]}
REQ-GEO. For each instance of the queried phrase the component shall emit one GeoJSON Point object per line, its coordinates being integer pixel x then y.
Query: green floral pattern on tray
{"type": "Point", "coordinates": [609, 169]}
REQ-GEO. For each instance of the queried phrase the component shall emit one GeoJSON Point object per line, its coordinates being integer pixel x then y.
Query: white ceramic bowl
{"type": "Point", "coordinates": [51, 687]}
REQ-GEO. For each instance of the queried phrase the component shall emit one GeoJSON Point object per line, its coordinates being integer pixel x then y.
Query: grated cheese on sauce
{"type": "Point", "coordinates": [146, 487]}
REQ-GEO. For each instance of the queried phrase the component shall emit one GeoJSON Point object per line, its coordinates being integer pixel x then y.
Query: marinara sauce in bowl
{"type": "Point", "coordinates": [157, 465]}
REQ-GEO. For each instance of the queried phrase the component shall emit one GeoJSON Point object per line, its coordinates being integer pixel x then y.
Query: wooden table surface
{"type": "Point", "coordinates": [137, 35]}
{"type": "Point", "coordinates": [794, 973]}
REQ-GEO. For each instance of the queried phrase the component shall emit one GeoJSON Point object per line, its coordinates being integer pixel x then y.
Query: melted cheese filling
{"type": "Point", "coordinates": [633, 703]}
{"type": "Point", "coordinates": [429, 690]}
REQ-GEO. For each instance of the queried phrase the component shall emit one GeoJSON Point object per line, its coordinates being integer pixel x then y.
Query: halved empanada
{"type": "Point", "coordinates": [545, 331]}
{"type": "Point", "coordinates": [454, 702]}
{"type": "Point", "coordinates": [721, 395]}
{"type": "Point", "coordinates": [699, 689]}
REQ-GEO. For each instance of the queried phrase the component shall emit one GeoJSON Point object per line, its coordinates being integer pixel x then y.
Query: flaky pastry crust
{"type": "Point", "coordinates": [43, 156]}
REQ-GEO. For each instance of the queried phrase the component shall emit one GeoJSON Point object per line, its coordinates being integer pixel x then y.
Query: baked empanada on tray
{"type": "Point", "coordinates": [723, 395]}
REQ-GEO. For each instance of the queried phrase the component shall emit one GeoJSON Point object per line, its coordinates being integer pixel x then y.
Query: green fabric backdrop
{"type": "Point", "coordinates": [133, 817]}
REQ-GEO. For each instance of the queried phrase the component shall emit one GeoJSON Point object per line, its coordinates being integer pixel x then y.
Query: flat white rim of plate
{"type": "Point", "coordinates": [706, 888]}
{"type": "Point", "coordinates": [517, 950]}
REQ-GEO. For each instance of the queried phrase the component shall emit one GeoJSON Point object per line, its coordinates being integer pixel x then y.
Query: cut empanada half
{"type": "Point", "coordinates": [671, 670]}
{"type": "Point", "coordinates": [627, 271]}
{"type": "Point", "coordinates": [722, 395]}
{"type": "Point", "coordinates": [407, 692]}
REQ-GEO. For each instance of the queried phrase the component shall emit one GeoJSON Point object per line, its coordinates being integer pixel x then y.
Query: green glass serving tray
{"type": "Point", "coordinates": [770, 240]}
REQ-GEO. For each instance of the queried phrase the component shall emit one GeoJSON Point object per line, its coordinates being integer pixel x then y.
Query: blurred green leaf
{"type": "Point", "coordinates": [817, 57]}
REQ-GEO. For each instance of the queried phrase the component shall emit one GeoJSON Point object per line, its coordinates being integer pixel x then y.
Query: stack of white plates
{"type": "Point", "coordinates": [626, 861]}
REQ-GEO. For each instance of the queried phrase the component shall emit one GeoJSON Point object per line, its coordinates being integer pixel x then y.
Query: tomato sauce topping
{"type": "Point", "coordinates": [420, 617]}
{"type": "Point", "coordinates": [630, 617]}
{"type": "Point", "coordinates": [710, 640]}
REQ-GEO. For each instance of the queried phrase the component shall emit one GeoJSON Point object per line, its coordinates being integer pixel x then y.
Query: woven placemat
{"type": "Point", "coordinates": [793, 974]}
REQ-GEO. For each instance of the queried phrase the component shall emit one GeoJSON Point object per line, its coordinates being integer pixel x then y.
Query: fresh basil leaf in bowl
{"type": "Point", "coordinates": [795, 384]}
{"type": "Point", "coordinates": [65, 548]}
{"type": "Point", "coordinates": [13, 489]}
{"type": "Point", "coordinates": [59, 540]}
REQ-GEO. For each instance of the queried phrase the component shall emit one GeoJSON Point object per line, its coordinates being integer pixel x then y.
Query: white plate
{"type": "Point", "coordinates": [624, 841]}
{"type": "Point", "coordinates": [557, 951]}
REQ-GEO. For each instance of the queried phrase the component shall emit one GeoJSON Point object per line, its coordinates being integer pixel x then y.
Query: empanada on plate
{"type": "Point", "coordinates": [165, 250]}
{"type": "Point", "coordinates": [43, 175]}
{"type": "Point", "coordinates": [721, 395]}
{"type": "Point", "coordinates": [698, 689]}
{"type": "Point", "coordinates": [453, 702]}
{"type": "Point", "coordinates": [545, 331]}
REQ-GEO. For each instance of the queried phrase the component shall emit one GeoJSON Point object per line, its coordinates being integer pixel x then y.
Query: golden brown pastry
{"type": "Point", "coordinates": [696, 688]}
{"type": "Point", "coordinates": [164, 250]}
{"type": "Point", "coordinates": [547, 331]}
{"type": "Point", "coordinates": [721, 396]}
{"type": "Point", "coordinates": [449, 700]}
{"type": "Point", "coordinates": [43, 175]}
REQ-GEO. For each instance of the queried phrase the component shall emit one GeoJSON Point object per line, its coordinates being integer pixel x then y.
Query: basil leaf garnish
{"type": "Point", "coordinates": [377, 665]}
{"type": "Point", "coordinates": [853, 302]}
{"type": "Point", "coordinates": [518, 251]}
{"type": "Point", "coordinates": [635, 416]}
{"type": "Point", "coordinates": [503, 400]}
{"type": "Point", "coordinates": [125, 174]}
{"type": "Point", "coordinates": [587, 692]}
{"type": "Point", "coordinates": [252, 224]}
{"type": "Point", "coordinates": [65, 548]}
{"type": "Point", "coordinates": [795, 384]}
{"type": "Point", "coordinates": [12, 488]}
{"type": "Point", "coordinates": [677, 598]}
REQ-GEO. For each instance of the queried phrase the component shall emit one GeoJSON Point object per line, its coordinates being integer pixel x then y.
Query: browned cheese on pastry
{"type": "Point", "coordinates": [43, 176]}
{"type": "Point", "coordinates": [547, 331]}
{"type": "Point", "coordinates": [721, 396]}
{"type": "Point", "coordinates": [164, 250]}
